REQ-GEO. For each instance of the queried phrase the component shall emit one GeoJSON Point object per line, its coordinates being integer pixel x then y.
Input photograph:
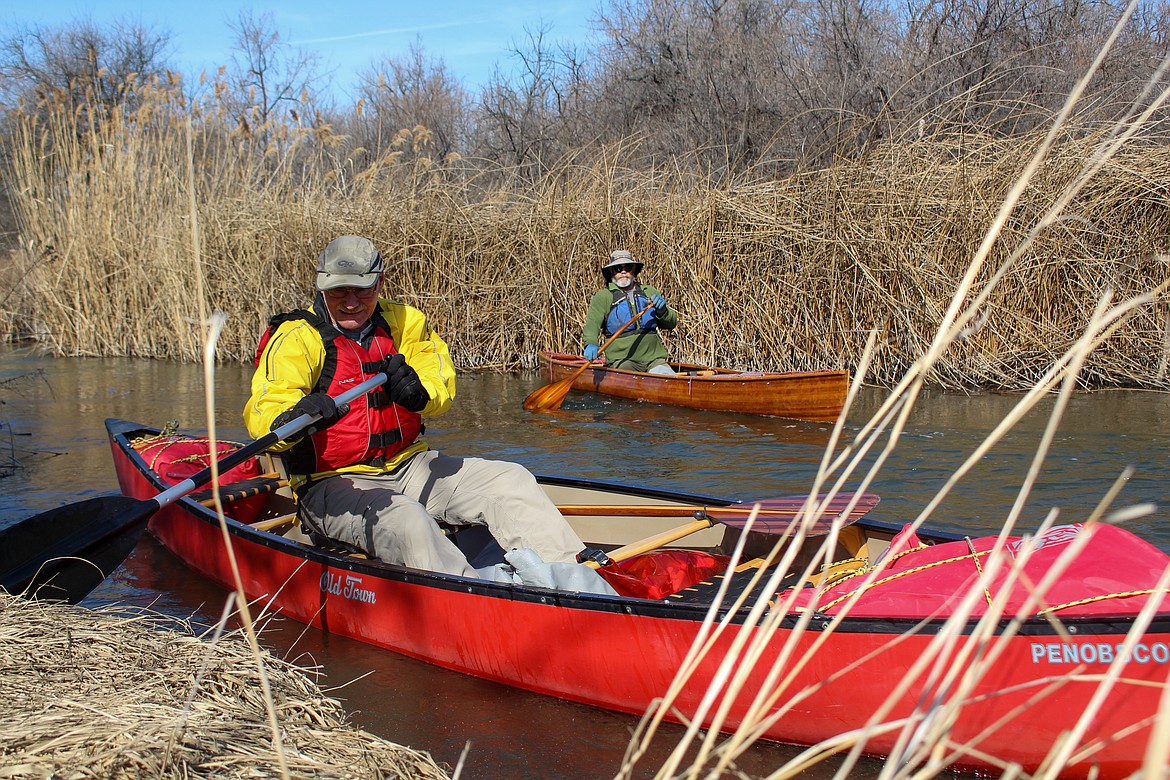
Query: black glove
{"type": "Point", "coordinates": [321, 404]}
{"type": "Point", "coordinates": [403, 384]}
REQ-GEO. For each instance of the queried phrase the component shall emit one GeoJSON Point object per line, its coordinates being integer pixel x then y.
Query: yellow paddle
{"type": "Point", "coordinates": [552, 396]}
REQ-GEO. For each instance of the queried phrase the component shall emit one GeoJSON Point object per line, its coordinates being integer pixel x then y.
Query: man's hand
{"type": "Point", "coordinates": [660, 307]}
{"type": "Point", "coordinates": [590, 352]}
{"type": "Point", "coordinates": [320, 404]}
{"type": "Point", "coordinates": [403, 385]}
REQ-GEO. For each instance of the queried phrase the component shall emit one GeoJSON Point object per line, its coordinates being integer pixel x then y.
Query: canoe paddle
{"type": "Point", "coordinates": [64, 553]}
{"type": "Point", "coordinates": [773, 516]}
{"type": "Point", "coordinates": [767, 519]}
{"type": "Point", "coordinates": [552, 396]}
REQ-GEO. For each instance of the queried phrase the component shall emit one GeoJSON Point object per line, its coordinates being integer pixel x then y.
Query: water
{"type": "Point", "coordinates": [51, 422]}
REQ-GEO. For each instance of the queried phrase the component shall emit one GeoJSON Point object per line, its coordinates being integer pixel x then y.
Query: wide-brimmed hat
{"type": "Point", "coordinates": [349, 261]}
{"type": "Point", "coordinates": [620, 257]}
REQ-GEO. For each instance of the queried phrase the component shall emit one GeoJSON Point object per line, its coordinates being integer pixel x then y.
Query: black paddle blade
{"type": "Point", "coordinates": [63, 554]}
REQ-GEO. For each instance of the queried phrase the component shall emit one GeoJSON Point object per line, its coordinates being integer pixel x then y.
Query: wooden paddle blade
{"type": "Point", "coordinates": [549, 396]}
{"type": "Point", "coordinates": [552, 396]}
{"type": "Point", "coordinates": [63, 554]}
{"type": "Point", "coordinates": [777, 514]}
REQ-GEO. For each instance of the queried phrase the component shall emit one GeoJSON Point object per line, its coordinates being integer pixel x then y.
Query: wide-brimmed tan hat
{"type": "Point", "coordinates": [620, 257]}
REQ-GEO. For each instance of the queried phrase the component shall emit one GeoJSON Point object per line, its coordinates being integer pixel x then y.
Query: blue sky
{"type": "Point", "coordinates": [471, 36]}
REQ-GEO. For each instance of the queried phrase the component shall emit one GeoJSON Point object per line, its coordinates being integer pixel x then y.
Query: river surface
{"type": "Point", "coordinates": [53, 451]}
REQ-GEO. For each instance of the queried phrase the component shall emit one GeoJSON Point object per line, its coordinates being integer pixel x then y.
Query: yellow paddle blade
{"type": "Point", "coordinates": [550, 396]}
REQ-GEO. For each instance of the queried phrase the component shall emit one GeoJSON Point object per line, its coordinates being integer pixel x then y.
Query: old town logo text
{"type": "Point", "coordinates": [348, 587]}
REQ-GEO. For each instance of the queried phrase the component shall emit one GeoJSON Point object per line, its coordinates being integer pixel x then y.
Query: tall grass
{"type": "Point", "coordinates": [778, 275]}
{"type": "Point", "coordinates": [1036, 263]}
{"type": "Point", "coordinates": [1047, 273]}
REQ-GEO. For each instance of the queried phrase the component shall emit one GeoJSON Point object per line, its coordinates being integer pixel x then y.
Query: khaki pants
{"type": "Point", "coordinates": [392, 516]}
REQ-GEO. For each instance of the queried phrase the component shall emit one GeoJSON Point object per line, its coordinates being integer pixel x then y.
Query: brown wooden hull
{"type": "Point", "coordinates": [802, 395]}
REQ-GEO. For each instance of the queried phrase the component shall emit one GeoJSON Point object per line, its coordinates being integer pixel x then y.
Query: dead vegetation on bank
{"type": "Point", "coordinates": [127, 693]}
{"type": "Point", "coordinates": [766, 274]}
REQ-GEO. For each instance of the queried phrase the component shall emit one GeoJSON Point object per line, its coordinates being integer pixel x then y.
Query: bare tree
{"type": "Point", "coordinates": [82, 61]}
{"type": "Point", "coordinates": [532, 119]}
{"type": "Point", "coordinates": [798, 82]}
{"type": "Point", "coordinates": [1006, 65]}
{"type": "Point", "coordinates": [837, 80]}
{"type": "Point", "coordinates": [82, 70]}
{"type": "Point", "coordinates": [690, 75]}
{"type": "Point", "coordinates": [403, 93]}
{"type": "Point", "coordinates": [269, 80]}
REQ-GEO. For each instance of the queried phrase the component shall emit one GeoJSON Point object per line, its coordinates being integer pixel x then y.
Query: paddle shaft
{"type": "Point", "coordinates": [573, 377]}
{"type": "Point", "coordinates": [769, 509]}
{"type": "Point", "coordinates": [649, 510]}
{"type": "Point", "coordinates": [233, 459]}
{"type": "Point", "coordinates": [551, 396]}
{"type": "Point", "coordinates": [57, 544]}
{"type": "Point", "coordinates": [614, 337]}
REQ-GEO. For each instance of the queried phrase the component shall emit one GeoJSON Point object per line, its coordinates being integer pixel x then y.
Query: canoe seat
{"type": "Point", "coordinates": [334, 546]}
{"type": "Point", "coordinates": [704, 592]}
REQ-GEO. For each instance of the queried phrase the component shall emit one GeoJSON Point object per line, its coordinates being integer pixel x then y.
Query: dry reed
{"type": "Point", "coordinates": [780, 275]}
{"type": "Point", "coordinates": [124, 692]}
{"type": "Point", "coordinates": [991, 287]}
{"type": "Point", "coordinates": [1036, 263]}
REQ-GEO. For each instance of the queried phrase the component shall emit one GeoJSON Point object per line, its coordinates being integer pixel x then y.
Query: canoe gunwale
{"type": "Point", "coordinates": [816, 396]}
{"type": "Point", "coordinates": [121, 434]}
{"type": "Point", "coordinates": [720, 375]}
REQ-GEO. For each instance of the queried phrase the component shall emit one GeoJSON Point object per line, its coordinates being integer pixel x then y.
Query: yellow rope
{"type": "Point", "coordinates": [978, 567]}
{"type": "Point", "coordinates": [975, 555]}
{"type": "Point", "coordinates": [893, 577]}
{"type": "Point", "coordinates": [145, 442]}
{"type": "Point", "coordinates": [1091, 599]}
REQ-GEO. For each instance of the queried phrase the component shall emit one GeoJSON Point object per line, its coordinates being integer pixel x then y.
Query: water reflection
{"type": "Point", "coordinates": [58, 408]}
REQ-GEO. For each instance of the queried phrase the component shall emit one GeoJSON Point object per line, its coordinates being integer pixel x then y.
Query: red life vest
{"type": "Point", "coordinates": [375, 428]}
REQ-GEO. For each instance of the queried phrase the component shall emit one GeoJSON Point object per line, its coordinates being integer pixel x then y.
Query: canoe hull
{"type": "Point", "coordinates": [803, 395]}
{"type": "Point", "coordinates": [622, 654]}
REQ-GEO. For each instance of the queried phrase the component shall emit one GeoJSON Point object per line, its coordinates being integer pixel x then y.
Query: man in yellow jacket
{"type": "Point", "coordinates": [362, 475]}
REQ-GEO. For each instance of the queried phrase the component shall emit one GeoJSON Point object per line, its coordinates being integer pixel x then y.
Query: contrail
{"type": "Point", "coordinates": [375, 33]}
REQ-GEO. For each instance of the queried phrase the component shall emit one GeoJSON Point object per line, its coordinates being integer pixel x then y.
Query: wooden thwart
{"type": "Point", "coordinates": [275, 522]}
{"type": "Point", "coordinates": [654, 542]}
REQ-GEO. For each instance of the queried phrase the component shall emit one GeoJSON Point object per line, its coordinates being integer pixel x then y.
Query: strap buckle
{"type": "Point", "coordinates": [597, 556]}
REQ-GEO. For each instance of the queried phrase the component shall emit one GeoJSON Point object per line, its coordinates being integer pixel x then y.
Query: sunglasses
{"type": "Point", "coordinates": [627, 267]}
{"type": "Point", "coordinates": [362, 293]}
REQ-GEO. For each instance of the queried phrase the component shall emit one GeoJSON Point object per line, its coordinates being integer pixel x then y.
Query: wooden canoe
{"type": "Point", "coordinates": [801, 395]}
{"type": "Point", "coordinates": [879, 651]}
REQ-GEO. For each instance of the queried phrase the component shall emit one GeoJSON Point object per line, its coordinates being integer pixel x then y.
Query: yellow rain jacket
{"type": "Point", "coordinates": [293, 359]}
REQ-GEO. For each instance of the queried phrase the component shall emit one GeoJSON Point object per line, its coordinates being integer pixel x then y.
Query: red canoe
{"type": "Point", "coordinates": [874, 648]}
{"type": "Point", "coordinates": [801, 395]}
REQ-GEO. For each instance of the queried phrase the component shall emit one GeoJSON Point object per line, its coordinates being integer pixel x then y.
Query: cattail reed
{"type": "Point", "coordinates": [785, 274]}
